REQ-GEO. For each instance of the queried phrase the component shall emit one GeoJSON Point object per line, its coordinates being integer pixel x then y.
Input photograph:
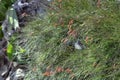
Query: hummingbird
{"type": "Point", "coordinates": [78, 45]}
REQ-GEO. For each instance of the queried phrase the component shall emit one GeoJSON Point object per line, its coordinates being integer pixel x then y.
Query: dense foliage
{"type": "Point", "coordinates": [4, 4]}
{"type": "Point", "coordinates": [95, 24]}
{"type": "Point", "coordinates": [48, 43]}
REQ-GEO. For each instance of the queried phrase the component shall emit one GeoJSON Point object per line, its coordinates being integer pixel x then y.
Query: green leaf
{"type": "Point", "coordinates": [10, 50]}
{"type": "Point", "coordinates": [22, 50]}
{"type": "Point", "coordinates": [12, 18]}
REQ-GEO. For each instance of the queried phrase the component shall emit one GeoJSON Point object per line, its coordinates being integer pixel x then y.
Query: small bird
{"type": "Point", "coordinates": [79, 45]}
{"type": "Point", "coordinates": [49, 0]}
